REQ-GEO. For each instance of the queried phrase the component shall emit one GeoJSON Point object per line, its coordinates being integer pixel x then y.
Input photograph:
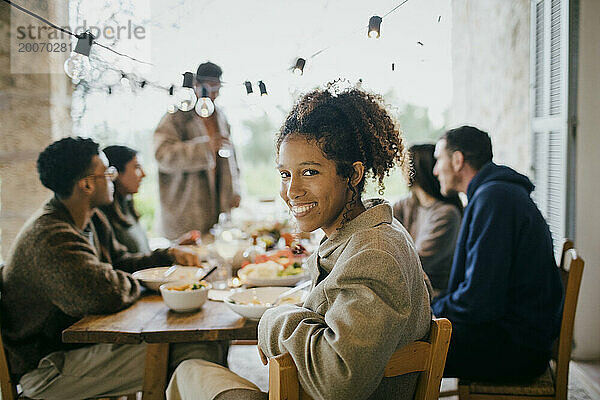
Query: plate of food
{"type": "Point", "coordinates": [252, 303]}
{"type": "Point", "coordinates": [279, 268]}
{"type": "Point", "coordinates": [152, 278]}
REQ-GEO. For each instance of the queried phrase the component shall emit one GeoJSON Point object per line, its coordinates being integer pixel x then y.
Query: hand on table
{"type": "Point", "coordinates": [189, 238]}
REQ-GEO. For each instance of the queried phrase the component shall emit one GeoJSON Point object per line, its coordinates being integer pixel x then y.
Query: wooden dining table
{"type": "Point", "coordinates": [149, 320]}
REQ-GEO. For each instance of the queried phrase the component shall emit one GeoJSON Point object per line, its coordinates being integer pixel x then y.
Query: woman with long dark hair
{"type": "Point", "coordinates": [432, 219]}
{"type": "Point", "coordinates": [121, 214]}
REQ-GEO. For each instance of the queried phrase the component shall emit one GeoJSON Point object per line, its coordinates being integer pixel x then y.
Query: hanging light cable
{"type": "Point", "coordinates": [374, 27]}
{"type": "Point", "coordinates": [77, 66]}
{"type": "Point", "coordinates": [299, 67]}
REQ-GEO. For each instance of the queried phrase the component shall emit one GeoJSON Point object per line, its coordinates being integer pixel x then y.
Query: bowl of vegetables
{"type": "Point", "coordinates": [277, 268]}
{"type": "Point", "coordinates": [185, 296]}
{"type": "Point", "coordinates": [252, 303]}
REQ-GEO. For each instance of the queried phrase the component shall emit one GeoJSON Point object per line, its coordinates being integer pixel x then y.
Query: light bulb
{"type": "Point", "coordinates": [126, 84]}
{"type": "Point", "coordinates": [205, 107]}
{"type": "Point", "coordinates": [172, 108]}
{"type": "Point", "coordinates": [185, 98]}
{"type": "Point", "coordinates": [299, 67]}
{"type": "Point", "coordinates": [77, 66]}
{"type": "Point", "coordinates": [374, 27]}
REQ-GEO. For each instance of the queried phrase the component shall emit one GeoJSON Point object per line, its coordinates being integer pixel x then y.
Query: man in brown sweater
{"type": "Point", "coordinates": [66, 264]}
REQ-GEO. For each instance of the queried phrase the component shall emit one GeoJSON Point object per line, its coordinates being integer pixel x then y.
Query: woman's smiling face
{"type": "Point", "coordinates": [310, 185]}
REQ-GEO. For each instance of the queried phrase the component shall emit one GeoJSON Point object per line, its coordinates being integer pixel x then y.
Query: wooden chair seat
{"type": "Point", "coordinates": [550, 385]}
{"type": "Point", "coordinates": [541, 386]}
{"type": "Point", "coordinates": [426, 358]}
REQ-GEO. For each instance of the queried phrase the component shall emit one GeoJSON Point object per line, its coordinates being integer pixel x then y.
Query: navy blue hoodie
{"type": "Point", "coordinates": [503, 271]}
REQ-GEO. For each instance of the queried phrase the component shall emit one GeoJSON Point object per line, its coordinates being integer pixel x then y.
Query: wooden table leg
{"type": "Point", "coordinates": [155, 373]}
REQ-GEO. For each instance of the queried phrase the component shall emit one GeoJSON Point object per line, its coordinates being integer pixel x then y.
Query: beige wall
{"type": "Point", "coordinates": [587, 322]}
{"type": "Point", "coordinates": [490, 64]}
{"type": "Point", "coordinates": [34, 111]}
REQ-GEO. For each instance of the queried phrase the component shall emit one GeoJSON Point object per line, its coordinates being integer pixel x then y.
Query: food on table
{"type": "Point", "coordinates": [255, 301]}
{"type": "Point", "coordinates": [274, 265]}
{"type": "Point", "coordinates": [188, 287]}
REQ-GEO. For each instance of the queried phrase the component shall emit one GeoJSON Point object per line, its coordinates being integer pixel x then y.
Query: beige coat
{"type": "Point", "coordinates": [369, 301]}
{"type": "Point", "coordinates": [194, 187]}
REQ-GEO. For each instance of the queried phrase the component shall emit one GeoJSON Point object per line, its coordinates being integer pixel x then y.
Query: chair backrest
{"type": "Point", "coordinates": [571, 270]}
{"type": "Point", "coordinates": [7, 387]}
{"type": "Point", "coordinates": [426, 357]}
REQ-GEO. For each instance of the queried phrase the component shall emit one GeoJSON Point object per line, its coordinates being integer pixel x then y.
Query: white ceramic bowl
{"type": "Point", "coordinates": [183, 300]}
{"type": "Point", "coordinates": [241, 301]}
{"type": "Point", "coordinates": [152, 278]}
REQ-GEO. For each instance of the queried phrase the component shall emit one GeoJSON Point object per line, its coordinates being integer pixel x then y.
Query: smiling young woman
{"type": "Point", "coordinates": [368, 295]}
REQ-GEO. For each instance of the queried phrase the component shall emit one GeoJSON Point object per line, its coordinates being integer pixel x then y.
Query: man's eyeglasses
{"type": "Point", "coordinates": [110, 173]}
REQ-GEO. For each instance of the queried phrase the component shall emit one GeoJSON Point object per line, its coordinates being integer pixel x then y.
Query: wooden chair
{"type": "Point", "coordinates": [553, 384]}
{"type": "Point", "coordinates": [428, 358]}
{"type": "Point", "coordinates": [8, 388]}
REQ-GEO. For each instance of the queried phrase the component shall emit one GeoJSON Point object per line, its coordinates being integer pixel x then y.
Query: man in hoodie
{"type": "Point", "coordinates": [504, 296]}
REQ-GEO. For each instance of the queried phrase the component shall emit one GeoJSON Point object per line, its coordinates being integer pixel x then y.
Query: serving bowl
{"type": "Point", "coordinates": [152, 278]}
{"type": "Point", "coordinates": [184, 300]}
{"type": "Point", "coordinates": [252, 303]}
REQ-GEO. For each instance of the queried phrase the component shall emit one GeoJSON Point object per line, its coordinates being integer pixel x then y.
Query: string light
{"type": "Point", "coordinates": [248, 85]}
{"type": "Point", "coordinates": [374, 27]}
{"type": "Point", "coordinates": [185, 97]}
{"type": "Point", "coordinates": [204, 106]}
{"type": "Point", "coordinates": [77, 66]}
{"type": "Point", "coordinates": [172, 107]}
{"type": "Point", "coordinates": [263, 88]}
{"type": "Point", "coordinates": [125, 83]}
{"type": "Point", "coordinates": [299, 68]}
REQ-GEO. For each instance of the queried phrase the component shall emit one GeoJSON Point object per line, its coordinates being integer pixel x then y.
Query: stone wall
{"type": "Point", "coordinates": [34, 111]}
{"type": "Point", "coordinates": [490, 73]}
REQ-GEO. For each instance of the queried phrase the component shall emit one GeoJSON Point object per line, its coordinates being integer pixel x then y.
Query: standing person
{"type": "Point", "coordinates": [504, 297]}
{"type": "Point", "coordinates": [196, 181]}
{"type": "Point", "coordinates": [121, 213]}
{"type": "Point", "coordinates": [431, 218]}
{"type": "Point", "coordinates": [65, 264]}
{"type": "Point", "coordinates": [368, 296]}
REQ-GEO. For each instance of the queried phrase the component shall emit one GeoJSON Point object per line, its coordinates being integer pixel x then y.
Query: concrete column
{"type": "Point", "coordinates": [490, 75]}
{"type": "Point", "coordinates": [34, 111]}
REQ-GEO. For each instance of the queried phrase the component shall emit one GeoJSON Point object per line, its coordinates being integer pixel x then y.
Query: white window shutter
{"type": "Point", "coordinates": [549, 78]}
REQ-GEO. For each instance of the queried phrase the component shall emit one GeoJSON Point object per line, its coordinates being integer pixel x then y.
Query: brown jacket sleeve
{"type": "Point", "coordinates": [119, 256]}
{"type": "Point", "coordinates": [77, 282]}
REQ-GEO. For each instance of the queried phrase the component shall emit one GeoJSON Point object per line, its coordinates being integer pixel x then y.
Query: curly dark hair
{"type": "Point", "coordinates": [349, 125]}
{"type": "Point", "coordinates": [64, 162]}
